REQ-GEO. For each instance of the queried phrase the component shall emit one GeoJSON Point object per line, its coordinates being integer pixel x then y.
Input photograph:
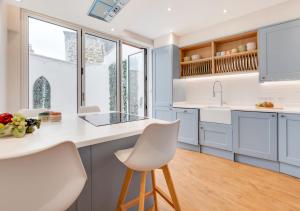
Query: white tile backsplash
{"type": "Point", "coordinates": [243, 90]}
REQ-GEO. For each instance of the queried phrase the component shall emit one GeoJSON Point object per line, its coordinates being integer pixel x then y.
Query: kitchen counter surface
{"type": "Point", "coordinates": [73, 129]}
{"type": "Point", "coordinates": [292, 110]}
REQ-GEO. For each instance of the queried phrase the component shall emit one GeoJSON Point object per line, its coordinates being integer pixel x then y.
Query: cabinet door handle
{"type": "Point", "coordinates": [263, 77]}
{"type": "Point", "coordinates": [273, 115]}
{"type": "Point", "coordinates": [282, 116]}
{"type": "Point", "coordinates": [201, 128]}
{"type": "Point", "coordinates": [185, 111]}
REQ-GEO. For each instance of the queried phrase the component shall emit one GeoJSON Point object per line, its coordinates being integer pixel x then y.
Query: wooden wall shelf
{"type": "Point", "coordinates": [210, 64]}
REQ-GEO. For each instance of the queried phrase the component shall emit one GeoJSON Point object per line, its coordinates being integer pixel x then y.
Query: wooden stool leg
{"type": "Point", "coordinates": [171, 187]}
{"type": "Point", "coordinates": [154, 189]}
{"type": "Point", "coordinates": [124, 190]}
{"type": "Point", "coordinates": [142, 191]}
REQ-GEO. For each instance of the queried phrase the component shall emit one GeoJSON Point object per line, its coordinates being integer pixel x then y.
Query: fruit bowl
{"type": "Point", "coordinates": [17, 125]}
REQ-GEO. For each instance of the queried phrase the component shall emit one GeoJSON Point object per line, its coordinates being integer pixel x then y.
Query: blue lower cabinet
{"type": "Point", "coordinates": [216, 135]}
{"type": "Point", "coordinates": [255, 134]}
{"type": "Point", "coordinates": [289, 139]}
{"type": "Point", "coordinates": [188, 131]}
{"type": "Point", "coordinates": [163, 113]}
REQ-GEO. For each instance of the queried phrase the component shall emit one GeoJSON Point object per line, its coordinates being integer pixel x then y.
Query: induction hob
{"type": "Point", "coordinates": [110, 118]}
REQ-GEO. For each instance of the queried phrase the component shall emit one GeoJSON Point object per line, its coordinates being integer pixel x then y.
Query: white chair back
{"type": "Point", "coordinates": [32, 112]}
{"type": "Point", "coordinates": [49, 180]}
{"type": "Point", "coordinates": [88, 109]}
{"type": "Point", "coordinates": [155, 147]}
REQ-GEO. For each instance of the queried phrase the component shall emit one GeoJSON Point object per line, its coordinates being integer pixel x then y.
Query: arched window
{"type": "Point", "coordinates": [41, 93]}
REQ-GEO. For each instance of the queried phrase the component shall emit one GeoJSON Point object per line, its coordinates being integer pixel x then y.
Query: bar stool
{"type": "Point", "coordinates": [32, 112]}
{"type": "Point", "coordinates": [47, 180]}
{"type": "Point", "coordinates": [154, 149]}
{"type": "Point", "coordinates": [88, 109]}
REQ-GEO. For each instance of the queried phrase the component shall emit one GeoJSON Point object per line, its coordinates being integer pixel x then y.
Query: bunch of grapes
{"type": "Point", "coordinates": [19, 125]}
{"type": "Point", "coordinates": [31, 124]}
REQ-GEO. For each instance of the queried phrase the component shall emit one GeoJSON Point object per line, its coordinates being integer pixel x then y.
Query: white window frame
{"type": "Point", "coordinates": [26, 14]}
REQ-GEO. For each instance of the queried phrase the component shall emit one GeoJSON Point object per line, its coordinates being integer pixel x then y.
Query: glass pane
{"type": "Point", "coordinates": [52, 67]}
{"type": "Point", "coordinates": [133, 80]}
{"type": "Point", "coordinates": [100, 73]}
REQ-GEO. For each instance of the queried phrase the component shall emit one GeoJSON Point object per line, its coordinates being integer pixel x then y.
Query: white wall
{"type": "Point", "coordinates": [3, 41]}
{"type": "Point", "coordinates": [238, 90]}
{"type": "Point", "coordinates": [276, 14]}
{"type": "Point", "coordinates": [169, 39]}
{"type": "Point", "coordinates": [62, 77]}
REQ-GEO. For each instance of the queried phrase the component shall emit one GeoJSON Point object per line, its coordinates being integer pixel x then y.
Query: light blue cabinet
{"type": "Point", "coordinates": [216, 135]}
{"type": "Point", "coordinates": [165, 68]}
{"type": "Point", "coordinates": [255, 134]}
{"type": "Point", "coordinates": [163, 113]}
{"type": "Point", "coordinates": [188, 131]}
{"type": "Point", "coordinates": [279, 57]}
{"type": "Point", "coordinates": [289, 139]}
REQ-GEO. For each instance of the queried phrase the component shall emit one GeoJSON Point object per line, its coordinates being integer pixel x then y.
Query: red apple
{"type": "Point", "coordinates": [6, 118]}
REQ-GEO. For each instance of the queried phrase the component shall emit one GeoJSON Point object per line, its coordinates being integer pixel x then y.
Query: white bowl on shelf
{"type": "Point", "coordinates": [251, 46]}
{"type": "Point", "coordinates": [196, 57]}
{"type": "Point", "coordinates": [186, 59]}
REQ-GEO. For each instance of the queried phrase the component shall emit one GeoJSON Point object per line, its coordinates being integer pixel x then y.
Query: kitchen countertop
{"type": "Point", "coordinates": [73, 129]}
{"type": "Point", "coordinates": [292, 110]}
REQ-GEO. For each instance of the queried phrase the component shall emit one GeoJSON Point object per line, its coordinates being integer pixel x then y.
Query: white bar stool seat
{"type": "Point", "coordinates": [47, 180]}
{"type": "Point", "coordinates": [154, 149]}
{"type": "Point", "coordinates": [32, 112]}
{"type": "Point", "coordinates": [88, 109]}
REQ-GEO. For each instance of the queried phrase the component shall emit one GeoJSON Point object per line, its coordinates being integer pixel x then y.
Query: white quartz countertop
{"type": "Point", "coordinates": [73, 129]}
{"type": "Point", "coordinates": [292, 110]}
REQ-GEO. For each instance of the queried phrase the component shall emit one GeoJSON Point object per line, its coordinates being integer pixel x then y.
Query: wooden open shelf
{"type": "Point", "coordinates": [210, 64]}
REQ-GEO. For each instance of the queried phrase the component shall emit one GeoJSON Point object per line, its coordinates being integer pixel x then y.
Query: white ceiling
{"type": "Point", "coordinates": [150, 18]}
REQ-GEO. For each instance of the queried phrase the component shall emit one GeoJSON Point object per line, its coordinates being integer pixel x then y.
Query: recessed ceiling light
{"type": "Point", "coordinates": [169, 9]}
{"type": "Point", "coordinates": [225, 11]}
{"type": "Point", "coordinates": [171, 31]}
{"type": "Point", "coordinates": [18, 0]}
{"type": "Point", "coordinates": [112, 29]}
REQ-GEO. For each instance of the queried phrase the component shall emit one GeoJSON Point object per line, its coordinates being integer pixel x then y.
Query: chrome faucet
{"type": "Point", "coordinates": [221, 91]}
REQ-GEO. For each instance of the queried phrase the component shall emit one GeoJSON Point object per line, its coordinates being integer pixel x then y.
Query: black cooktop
{"type": "Point", "coordinates": [110, 118]}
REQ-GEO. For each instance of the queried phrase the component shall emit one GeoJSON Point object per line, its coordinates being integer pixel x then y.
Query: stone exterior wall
{"type": "Point", "coordinates": [95, 50]}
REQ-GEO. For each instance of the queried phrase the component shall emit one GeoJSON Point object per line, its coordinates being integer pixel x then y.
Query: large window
{"type": "Point", "coordinates": [68, 66]}
{"type": "Point", "coordinates": [52, 57]}
{"type": "Point", "coordinates": [100, 73]}
{"type": "Point", "coordinates": [133, 80]}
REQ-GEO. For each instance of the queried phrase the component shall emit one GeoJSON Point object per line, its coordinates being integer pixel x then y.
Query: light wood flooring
{"type": "Point", "coordinates": [208, 183]}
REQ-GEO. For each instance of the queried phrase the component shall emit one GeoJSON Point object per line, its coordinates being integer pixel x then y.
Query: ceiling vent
{"type": "Point", "coordinates": [106, 10]}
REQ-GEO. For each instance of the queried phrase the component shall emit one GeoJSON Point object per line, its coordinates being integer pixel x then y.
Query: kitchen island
{"type": "Point", "coordinates": [96, 146]}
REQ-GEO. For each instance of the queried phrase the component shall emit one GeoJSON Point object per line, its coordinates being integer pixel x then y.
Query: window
{"type": "Point", "coordinates": [100, 73]}
{"type": "Point", "coordinates": [52, 60]}
{"type": "Point", "coordinates": [68, 66]}
{"type": "Point", "coordinates": [133, 80]}
{"type": "Point", "coordinates": [41, 93]}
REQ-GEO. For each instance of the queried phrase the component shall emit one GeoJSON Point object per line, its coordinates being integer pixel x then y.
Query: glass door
{"type": "Point", "coordinates": [133, 80]}
{"type": "Point", "coordinates": [99, 73]}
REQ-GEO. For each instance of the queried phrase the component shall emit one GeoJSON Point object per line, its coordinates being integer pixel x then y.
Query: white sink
{"type": "Point", "coordinates": [217, 114]}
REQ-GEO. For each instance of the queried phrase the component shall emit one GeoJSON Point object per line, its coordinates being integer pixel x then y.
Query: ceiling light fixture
{"type": "Point", "coordinates": [169, 9]}
{"type": "Point", "coordinates": [225, 11]}
{"type": "Point", "coordinates": [112, 29]}
{"type": "Point", "coordinates": [18, 0]}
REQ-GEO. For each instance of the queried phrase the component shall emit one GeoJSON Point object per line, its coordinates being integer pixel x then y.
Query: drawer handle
{"type": "Point", "coordinates": [282, 116]}
{"type": "Point", "coordinates": [273, 115]}
{"type": "Point", "coordinates": [185, 111]}
{"type": "Point", "coordinates": [201, 128]}
{"type": "Point", "coordinates": [263, 77]}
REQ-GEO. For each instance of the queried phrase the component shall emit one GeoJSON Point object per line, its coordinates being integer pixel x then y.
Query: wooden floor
{"type": "Point", "coordinates": [206, 182]}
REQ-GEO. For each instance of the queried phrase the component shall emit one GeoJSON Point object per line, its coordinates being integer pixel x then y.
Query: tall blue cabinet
{"type": "Point", "coordinates": [165, 69]}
